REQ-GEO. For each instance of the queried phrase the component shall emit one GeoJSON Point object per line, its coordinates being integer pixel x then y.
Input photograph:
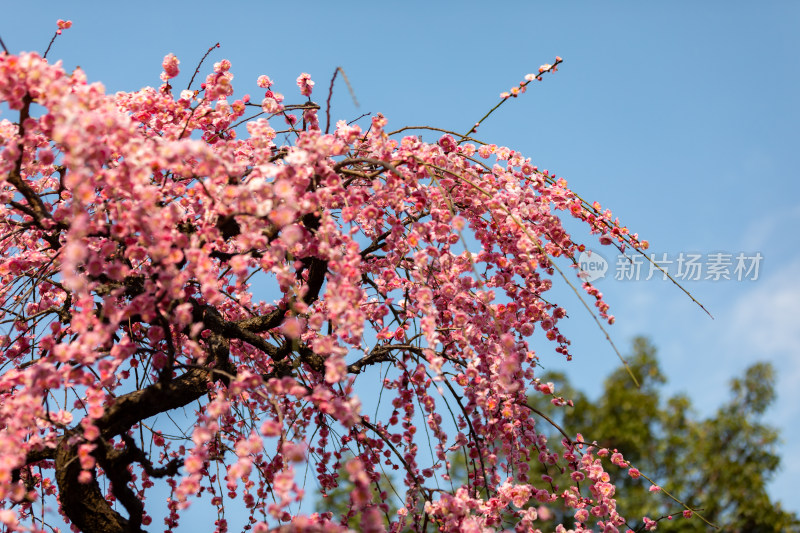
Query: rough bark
{"type": "Point", "coordinates": [83, 503]}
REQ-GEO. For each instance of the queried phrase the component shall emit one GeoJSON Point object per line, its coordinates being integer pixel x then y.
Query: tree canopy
{"type": "Point", "coordinates": [194, 288]}
{"type": "Point", "coordinates": [719, 464]}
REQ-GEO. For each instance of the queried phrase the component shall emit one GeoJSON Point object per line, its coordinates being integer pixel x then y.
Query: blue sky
{"type": "Point", "coordinates": [680, 117]}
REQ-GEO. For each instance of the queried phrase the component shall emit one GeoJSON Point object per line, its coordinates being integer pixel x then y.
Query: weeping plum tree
{"type": "Point", "coordinates": [137, 357]}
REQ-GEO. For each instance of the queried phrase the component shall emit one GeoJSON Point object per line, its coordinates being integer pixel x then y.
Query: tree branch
{"type": "Point", "coordinates": [83, 503]}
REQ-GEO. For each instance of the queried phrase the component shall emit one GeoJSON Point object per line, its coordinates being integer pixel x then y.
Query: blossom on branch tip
{"type": "Point", "coordinates": [170, 66]}
{"type": "Point", "coordinates": [305, 84]}
{"type": "Point", "coordinates": [264, 82]}
{"type": "Point", "coordinates": [63, 25]}
{"type": "Point", "coordinates": [447, 143]}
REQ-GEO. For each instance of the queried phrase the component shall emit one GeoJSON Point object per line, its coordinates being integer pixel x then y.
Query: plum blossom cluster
{"type": "Point", "coordinates": [63, 25]}
{"type": "Point", "coordinates": [134, 229]}
{"type": "Point", "coordinates": [523, 85]}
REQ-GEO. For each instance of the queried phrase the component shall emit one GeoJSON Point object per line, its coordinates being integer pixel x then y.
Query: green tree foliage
{"type": "Point", "coordinates": [718, 465]}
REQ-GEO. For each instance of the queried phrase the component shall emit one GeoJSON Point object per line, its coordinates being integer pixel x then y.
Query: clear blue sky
{"type": "Point", "coordinates": [681, 117]}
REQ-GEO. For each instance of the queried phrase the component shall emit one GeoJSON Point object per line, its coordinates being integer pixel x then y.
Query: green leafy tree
{"type": "Point", "coordinates": [719, 466]}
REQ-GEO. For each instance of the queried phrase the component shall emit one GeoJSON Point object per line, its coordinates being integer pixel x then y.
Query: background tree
{"type": "Point", "coordinates": [719, 464]}
{"type": "Point", "coordinates": [337, 502]}
{"type": "Point", "coordinates": [136, 352]}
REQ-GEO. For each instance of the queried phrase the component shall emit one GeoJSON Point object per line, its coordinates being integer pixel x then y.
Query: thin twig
{"type": "Point", "coordinates": [362, 115]}
{"type": "Point", "coordinates": [431, 128]}
{"type": "Point", "coordinates": [349, 88]}
{"type": "Point", "coordinates": [589, 206]}
{"type": "Point", "coordinates": [330, 95]}
{"type": "Point", "coordinates": [550, 421]}
{"type": "Point", "coordinates": [56, 34]}
{"type": "Point", "coordinates": [679, 502]}
{"type": "Point", "coordinates": [328, 102]}
{"type": "Point", "coordinates": [197, 70]}
{"type": "Point", "coordinates": [503, 100]}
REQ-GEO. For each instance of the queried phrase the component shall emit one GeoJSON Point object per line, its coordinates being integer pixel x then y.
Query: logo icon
{"type": "Point", "coordinates": [591, 266]}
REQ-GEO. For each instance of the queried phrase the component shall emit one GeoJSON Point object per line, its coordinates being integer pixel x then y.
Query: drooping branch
{"type": "Point", "coordinates": [36, 208]}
